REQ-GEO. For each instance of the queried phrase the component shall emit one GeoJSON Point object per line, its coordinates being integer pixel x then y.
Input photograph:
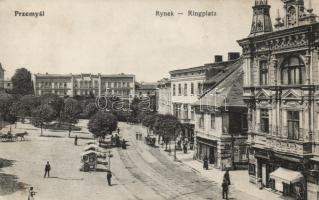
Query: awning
{"type": "Point", "coordinates": [286, 175]}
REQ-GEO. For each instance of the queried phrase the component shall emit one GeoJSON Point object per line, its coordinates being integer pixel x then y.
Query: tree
{"type": "Point", "coordinates": [28, 102]}
{"type": "Point", "coordinates": [44, 113]}
{"type": "Point", "coordinates": [102, 123]}
{"type": "Point", "coordinates": [22, 82]}
{"type": "Point", "coordinates": [6, 101]}
{"type": "Point", "coordinates": [90, 109]}
{"type": "Point", "coordinates": [55, 102]}
{"type": "Point", "coordinates": [71, 112]}
{"type": "Point", "coordinates": [12, 116]}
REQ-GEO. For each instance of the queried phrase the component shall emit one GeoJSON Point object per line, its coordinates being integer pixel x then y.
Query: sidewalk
{"type": "Point", "coordinates": [239, 178]}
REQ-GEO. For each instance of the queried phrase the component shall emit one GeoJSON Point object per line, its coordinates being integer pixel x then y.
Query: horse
{"type": "Point", "coordinates": [21, 135]}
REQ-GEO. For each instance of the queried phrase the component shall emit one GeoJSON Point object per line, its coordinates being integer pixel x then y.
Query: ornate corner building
{"type": "Point", "coordinates": [281, 90]}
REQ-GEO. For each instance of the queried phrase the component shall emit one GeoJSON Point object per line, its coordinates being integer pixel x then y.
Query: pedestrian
{"type": "Point", "coordinates": [205, 162]}
{"type": "Point", "coordinates": [137, 135]}
{"type": "Point", "coordinates": [123, 144]}
{"type": "Point", "coordinates": [226, 176]}
{"type": "Point", "coordinates": [76, 140]}
{"type": "Point", "coordinates": [117, 140]}
{"type": "Point", "coordinates": [47, 169]}
{"type": "Point", "coordinates": [109, 177]}
{"type": "Point", "coordinates": [185, 147]}
{"type": "Point", "coordinates": [31, 194]}
{"type": "Point", "coordinates": [225, 189]}
{"type": "Point", "coordinates": [118, 131]}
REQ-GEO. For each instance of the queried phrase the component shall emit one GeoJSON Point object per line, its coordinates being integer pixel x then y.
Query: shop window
{"type": "Point", "coordinates": [263, 68]}
{"type": "Point", "coordinates": [179, 89]}
{"type": "Point", "coordinates": [252, 169]}
{"type": "Point", "coordinates": [293, 71]}
{"type": "Point", "coordinates": [264, 120]}
{"type": "Point", "coordinates": [212, 121]}
{"type": "Point", "coordinates": [293, 125]}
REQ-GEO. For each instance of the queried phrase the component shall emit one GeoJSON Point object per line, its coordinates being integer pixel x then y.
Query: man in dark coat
{"type": "Point", "coordinates": [47, 169]}
{"type": "Point", "coordinates": [109, 177]}
{"type": "Point", "coordinates": [226, 176]}
{"type": "Point", "coordinates": [76, 140]}
{"type": "Point", "coordinates": [225, 189]}
{"type": "Point", "coordinates": [205, 163]}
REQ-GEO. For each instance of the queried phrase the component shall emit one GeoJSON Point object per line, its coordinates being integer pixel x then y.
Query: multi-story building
{"type": "Point", "coordinates": [281, 79]}
{"type": "Point", "coordinates": [164, 102]}
{"type": "Point", "coordinates": [144, 89]}
{"type": "Point", "coordinates": [122, 85]}
{"type": "Point", "coordinates": [221, 121]}
{"type": "Point", "coordinates": [188, 84]}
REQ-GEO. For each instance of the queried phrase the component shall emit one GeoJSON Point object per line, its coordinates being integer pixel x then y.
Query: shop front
{"type": "Point", "coordinates": [206, 147]}
{"type": "Point", "coordinates": [280, 173]}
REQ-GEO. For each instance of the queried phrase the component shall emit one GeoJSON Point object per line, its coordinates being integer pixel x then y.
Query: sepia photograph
{"type": "Point", "coordinates": [159, 100]}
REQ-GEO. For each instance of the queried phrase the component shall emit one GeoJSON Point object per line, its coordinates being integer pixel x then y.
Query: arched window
{"type": "Point", "coordinates": [293, 71]}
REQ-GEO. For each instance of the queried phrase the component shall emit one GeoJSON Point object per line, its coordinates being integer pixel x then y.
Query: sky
{"type": "Point", "coordinates": [111, 36]}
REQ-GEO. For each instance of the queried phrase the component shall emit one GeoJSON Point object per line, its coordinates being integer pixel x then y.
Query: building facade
{"type": "Point", "coordinates": [187, 85]}
{"type": "Point", "coordinates": [281, 79]}
{"type": "Point", "coordinates": [221, 121]}
{"type": "Point", "coordinates": [164, 101]}
{"type": "Point", "coordinates": [122, 85]}
{"type": "Point", "coordinates": [4, 84]}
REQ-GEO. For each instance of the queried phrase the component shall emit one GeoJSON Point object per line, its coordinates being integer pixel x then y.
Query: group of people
{"type": "Point", "coordinates": [138, 136]}
{"type": "Point", "coordinates": [226, 178]}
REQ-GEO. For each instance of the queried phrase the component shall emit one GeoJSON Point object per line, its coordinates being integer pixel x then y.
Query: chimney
{"type": "Point", "coordinates": [218, 58]}
{"type": "Point", "coordinates": [233, 55]}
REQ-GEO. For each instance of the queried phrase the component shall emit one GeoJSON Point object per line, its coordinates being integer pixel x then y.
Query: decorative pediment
{"type": "Point", "coordinates": [263, 94]}
{"type": "Point", "coordinates": [291, 95]}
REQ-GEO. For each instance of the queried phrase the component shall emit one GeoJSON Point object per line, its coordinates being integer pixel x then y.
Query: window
{"type": "Point", "coordinates": [201, 121]}
{"type": "Point", "coordinates": [179, 89]}
{"type": "Point", "coordinates": [192, 88]}
{"type": "Point", "coordinates": [199, 88]}
{"type": "Point", "coordinates": [264, 120]}
{"type": "Point", "coordinates": [192, 113]}
{"type": "Point", "coordinates": [174, 90]}
{"type": "Point", "coordinates": [244, 122]}
{"type": "Point", "coordinates": [185, 89]}
{"type": "Point", "coordinates": [212, 121]}
{"type": "Point", "coordinates": [185, 108]}
{"type": "Point", "coordinates": [263, 72]}
{"type": "Point", "coordinates": [293, 125]}
{"type": "Point", "coordinates": [293, 70]}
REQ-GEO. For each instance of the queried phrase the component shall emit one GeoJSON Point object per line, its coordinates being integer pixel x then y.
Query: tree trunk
{"type": "Point", "coordinates": [41, 128]}
{"type": "Point", "coordinates": [70, 129]}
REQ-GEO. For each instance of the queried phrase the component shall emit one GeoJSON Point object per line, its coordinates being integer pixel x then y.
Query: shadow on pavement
{"type": "Point", "coordinates": [9, 183]}
{"type": "Point", "coordinates": [71, 179]}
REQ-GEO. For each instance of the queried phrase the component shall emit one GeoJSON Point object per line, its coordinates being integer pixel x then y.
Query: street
{"type": "Point", "coordinates": [139, 172]}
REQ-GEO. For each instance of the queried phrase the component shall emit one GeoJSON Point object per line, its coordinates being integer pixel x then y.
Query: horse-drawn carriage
{"type": "Point", "coordinates": [150, 140]}
{"type": "Point", "coordinates": [9, 137]}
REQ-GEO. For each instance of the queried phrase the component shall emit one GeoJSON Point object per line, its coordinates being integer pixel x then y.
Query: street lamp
{"type": "Point", "coordinates": [109, 157]}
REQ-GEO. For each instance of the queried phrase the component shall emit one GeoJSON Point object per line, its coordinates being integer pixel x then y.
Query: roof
{"type": "Point", "coordinates": [47, 75]}
{"type": "Point", "coordinates": [146, 86]}
{"type": "Point", "coordinates": [188, 69]}
{"type": "Point", "coordinates": [227, 85]}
